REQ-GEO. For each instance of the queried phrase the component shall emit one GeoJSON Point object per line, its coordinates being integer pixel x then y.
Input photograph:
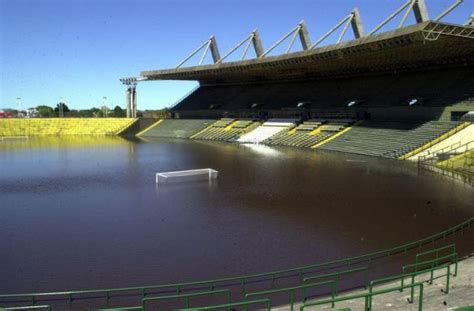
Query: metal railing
{"type": "Point", "coordinates": [338, 275]}
{"type": "Point", "coordinates": [367, 297]}
{"type": "Point", "coordinates": [238, 280]}
{"type": "Point", "coordinates": [187, 297]}
{"type": "Point", "coordinates": [291, 291]}
{"type": "Point", "coordinates": [230, 306]}
{"type": "Point", "coordinates": [412, 276]}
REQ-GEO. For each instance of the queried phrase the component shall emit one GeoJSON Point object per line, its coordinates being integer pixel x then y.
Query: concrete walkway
{"type": "Point", "coordinates": [461, 293]}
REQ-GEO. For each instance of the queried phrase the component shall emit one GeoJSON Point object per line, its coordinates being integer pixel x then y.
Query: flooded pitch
{"type": "Point", "coordinates": [83, 213]}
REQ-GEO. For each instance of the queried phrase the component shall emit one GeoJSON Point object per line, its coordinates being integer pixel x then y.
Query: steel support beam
{"type": "Point", "coordinates": [257, 43]}
{"type": "Point", "coordinates": [356, 22]}
{"type": "Point", "coordinates": [448, 10]}
{"type": "Point", "coordinates": [214, 50]}
{"type": "Point", "coordinates": [420, 11]}
{"type": "Point", "coordinates": [134, 102]}
{"type": "Point", "coordinates": [470, 21]}
{"type": "Point", "coordinates": [304, 36]}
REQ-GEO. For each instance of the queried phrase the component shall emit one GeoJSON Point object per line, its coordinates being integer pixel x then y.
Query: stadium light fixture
{"type": "Point", "coordinates": [412, 101]}
{"type": "Point", "coordinates": [354, 102]}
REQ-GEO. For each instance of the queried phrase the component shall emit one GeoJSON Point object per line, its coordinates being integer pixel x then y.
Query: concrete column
{"type": "Point", "coordinates": [134, 101]}
{"type": "Point", "coordinates": [420, 11]}
{"type": "Point", "coordinates": [257, 43]}
{"type": "Point", "coordinates": [356, 23]}
{"type": "Point", "coordinates": [304, 36]}
{"type": "Point", "coordinates": [128, 102]}
{"type": "Point", "coordinates": [214, 50]}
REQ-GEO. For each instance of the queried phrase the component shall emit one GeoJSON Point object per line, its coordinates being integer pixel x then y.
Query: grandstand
{"type": "Point", "coordinates": [226, 130]}
{"type": "Point", "coordinates": [389, 139]}
{"type": "Point", "coordinates": [309, 133]}
{"type": "Point", "coordinates": [175, 128]}
{"type": "Point", "coordinates": [63, 126]}
{"type": "Point", "coordinates": [268, 129]}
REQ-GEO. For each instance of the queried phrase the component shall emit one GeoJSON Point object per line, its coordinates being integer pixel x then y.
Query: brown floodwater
{"type": "Point", "coordinates": [84, 213]}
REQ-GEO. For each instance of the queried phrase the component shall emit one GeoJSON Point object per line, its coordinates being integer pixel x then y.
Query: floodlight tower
{"type": "Point", "coordinates": [18, 102]}
{"type": "Point", "coordinates": [131, 97]}
{"type": "Point", "coordinates": [104, 106]}
{"type": "Point", "coordinates": [60, 108]}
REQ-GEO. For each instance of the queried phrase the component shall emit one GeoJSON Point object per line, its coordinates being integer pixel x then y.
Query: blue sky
{"type": "Point", "coordinates": [78, 49]}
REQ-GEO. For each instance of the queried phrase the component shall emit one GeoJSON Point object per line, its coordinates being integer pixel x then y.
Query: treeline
{"type": "Point", "coordinates": [63, 110]}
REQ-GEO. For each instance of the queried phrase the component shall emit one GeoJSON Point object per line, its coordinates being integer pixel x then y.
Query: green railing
{"type": "Point", "coordinates": [43, 307]}
{"type": "Point", "coordinates": [121, 309]}
{"type": "Point", "coordinates": [187, 297]}
{"type": "Point", "coordinates": [450, 247]}
{"type": "Point", "coordinates": [239, 280]}
{"type": "Point", "coordinates": [233, 305]}
{"type": "Point", "coordinates": [338, 275]}
{"type": "Point", "coordinates": [367, 297]}
{"type": "Point", "coordinates": [412, 275]}
{"type": "Point", "coordinates": [452, 258]}
{"type": "Point", "coordinates": [291, 291]}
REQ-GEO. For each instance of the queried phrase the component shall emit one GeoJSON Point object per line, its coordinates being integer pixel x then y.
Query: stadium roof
{"type": "Point", "coordinates": [423, 45]}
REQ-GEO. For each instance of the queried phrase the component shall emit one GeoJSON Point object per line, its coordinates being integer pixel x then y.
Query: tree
{"type": "Point", "coordinates": [64, 106]}
{"type": "Point", "coordinates": [119, 112]}
{"type": "Point", "coordinates": [45, 111]}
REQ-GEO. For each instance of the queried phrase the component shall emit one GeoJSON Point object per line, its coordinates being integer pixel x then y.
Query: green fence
{"type": "Point", "coordinates": [292, 290]}
{"type": "Point", "coordinates": [187, 297]}
{"type": "Point", "coordinates": [239, 280]}
{"type": "Point", "coordinates": [338, 275]}
{"type": "Point", "coordinates": [412, 277]}
{"type": "Point", "coordinates": [451, 248]}
{"type": "Point", "coordinates": [367, 297]}
{"type": "Point", "coordinates": [43, 307]}
{"type": "Point", "coordinates": [229, 306]}
{"type": "Point", "coordinates": [453, 258]}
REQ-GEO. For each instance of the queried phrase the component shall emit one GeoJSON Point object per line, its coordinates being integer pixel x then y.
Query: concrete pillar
{"type": "Point", "coordinates": [420, 11]}
{"type": "Point", "coordinates": [356, 23]}
{"type": "Point", "coordinates": [134, 101]}
{"type": "Point", "coordinates": [128, 101]}
{"type": "Point", "coordinates": [257, 43]}
{"type": "Point", "coordinates": [304, 36]}
{"type": "Point", "coordinates": [214, 50]}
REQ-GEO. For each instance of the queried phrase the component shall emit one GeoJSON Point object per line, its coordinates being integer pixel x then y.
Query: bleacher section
{"type": "Point", "coordinates": [309, 133]}
{"type": "Point", "coordinates": [64, 126]}
{"type": "Point", "coordinates": [176, 128]}
{"type": "Point", "coordinates": [437, 88]}
{"type": "Point", "coordinates": [268, 129]}
{"type": "Point", "coordinates": [226, 130]}
{"type": "Point", "coordinates": [388, 139]}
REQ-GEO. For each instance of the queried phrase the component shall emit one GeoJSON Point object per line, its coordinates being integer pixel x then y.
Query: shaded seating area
{"type": "Point", "coordinates": [388, 139]}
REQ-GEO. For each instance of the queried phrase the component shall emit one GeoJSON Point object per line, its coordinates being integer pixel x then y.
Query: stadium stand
{"type": "Point", "coordinates": [176, 128]}
{"type": "Point", "coordinates": [388, 139]}
{"type": "Point", "coordinates": [436, 88]}
{"type": "Point", "coordinates": [226, 130]}
{"type": "Point", "coordinates": [64, 126]}
{"type": "Point", "coordinates": [309, 133]}
{"type": "Point", "coordinates": [268, 129]}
